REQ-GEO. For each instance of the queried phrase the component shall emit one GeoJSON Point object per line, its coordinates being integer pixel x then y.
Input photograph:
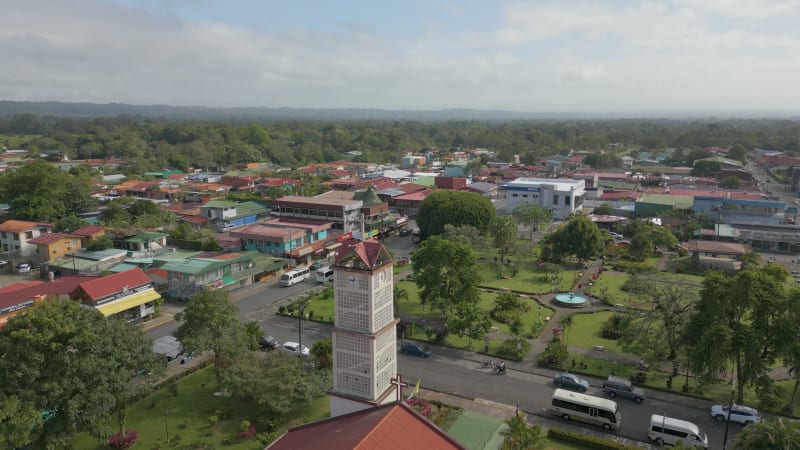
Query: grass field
{"type": "Point", "coordinates": [187, 417]}
{"type": "Point", "coordinates": [586, 332]}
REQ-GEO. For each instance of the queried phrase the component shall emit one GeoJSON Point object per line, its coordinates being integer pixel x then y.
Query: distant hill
{"type": "Point", "coordinates": [88, 110]}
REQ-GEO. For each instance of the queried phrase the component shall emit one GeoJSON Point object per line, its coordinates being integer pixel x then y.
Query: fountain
{"type": "Point", "coordinates": [571, 300]}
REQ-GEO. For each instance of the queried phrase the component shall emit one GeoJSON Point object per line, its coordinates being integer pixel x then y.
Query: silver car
{"type": "Point", "coordinates": [744, 415]}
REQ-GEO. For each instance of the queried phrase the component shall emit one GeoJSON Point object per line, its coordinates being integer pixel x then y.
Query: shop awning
{"type": "Point", "coordinates": [126, 303]}
{"type": "Point", "coordinates": [333, 246]}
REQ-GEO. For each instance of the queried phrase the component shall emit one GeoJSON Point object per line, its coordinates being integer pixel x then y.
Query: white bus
{"type": "Point", "coordinates": [666, 430]}
{"type": "Point", "coordinates": [295, 276]}
{"type": "Point", "coordinates": [324, 274]}
{"type": "Point", "coordinates": [586, 408]}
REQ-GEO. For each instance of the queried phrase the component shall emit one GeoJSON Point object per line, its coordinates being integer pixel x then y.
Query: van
{"type": "Point", "coordinates": [295, 276]}
{"type": "Point", "coordinates": [615, 386]}
{"type": "Point", "coordinates": [324, 274]}
{"type": "Point", "coordinates": [670, 431]}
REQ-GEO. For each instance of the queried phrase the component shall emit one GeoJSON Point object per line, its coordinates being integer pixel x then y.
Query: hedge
{"type": "Point", "coordinates": [586, 440]}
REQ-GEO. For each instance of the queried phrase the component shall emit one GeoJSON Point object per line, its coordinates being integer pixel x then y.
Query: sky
{"type": "Point", "coordinates": [528, 56]}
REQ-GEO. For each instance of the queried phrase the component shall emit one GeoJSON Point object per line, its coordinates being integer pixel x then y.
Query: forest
{"type": "Point", "coordinates": [153, 144]}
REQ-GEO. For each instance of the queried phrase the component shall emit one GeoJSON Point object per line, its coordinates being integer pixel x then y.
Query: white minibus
{"type": "Point", "coordinates": [324, 274]}
{"type": "Point", "coordinates": [666, 430]}
{"type": "Point", "coordinates": [295, 276]}
{"type": "Point", "coordinates": [586, 408]}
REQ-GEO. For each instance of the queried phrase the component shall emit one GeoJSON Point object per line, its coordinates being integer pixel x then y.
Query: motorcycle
{"type": "Point", "coordinates": [500, 370]}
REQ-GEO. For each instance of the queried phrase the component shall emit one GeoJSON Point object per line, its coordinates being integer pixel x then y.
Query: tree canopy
{"type": "Point", "coordinates": [211, 322]}
{"type": "Point", "coordinates": [579, 237]}
{"type": "Point", "coordinates": [69, 361]}
{"type": "Point", "coordinates": [446, 207]}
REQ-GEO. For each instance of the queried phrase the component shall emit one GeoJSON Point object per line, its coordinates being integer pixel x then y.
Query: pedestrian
{"type": "Point", "coordinates": [573, 363]}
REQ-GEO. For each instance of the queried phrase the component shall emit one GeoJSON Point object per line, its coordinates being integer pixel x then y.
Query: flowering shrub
{"type": "Point", "coordinates": [118, 441]}
{"type": "Point", "coordinates": [421, 406]}
{"type": "Point", "coordinates": [247, 433]}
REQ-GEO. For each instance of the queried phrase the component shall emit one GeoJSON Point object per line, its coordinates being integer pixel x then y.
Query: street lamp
{"type": "Point", "coordinates": [728, 419]}
{"type": "Point", "coordinates": [166, 426]}
{"type": "Point", "coordinates": [299, 329]}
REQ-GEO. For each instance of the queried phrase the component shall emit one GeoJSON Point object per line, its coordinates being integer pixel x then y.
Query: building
{"type": "Point", "coordinates": [143, 243]}
{"type": "Point", "coordinates": [55, 245]}
{"type": "Point", "coordinates": [364, 336]}
{"type": "Point", "coordinates": [18, 297]}
{"type": "Point", "coordinates": [395, 426]}
{"type": "Point", "coordinates": [129, 295]}
{"type": "Point", "coordinates": [336, 207]}
{"type": "Point", "coordinates": [225, 215]}
{"type": "Point", "coordinates": [218, 270]}
{"type": "Point", "coordinates": [15, 236]}
{"type": "Point", "coordinates": [285, 237]}
{"type": "Point", "coordinates": [739, 210]}
{"type": "Point", "coordinates": [562, 196]}
{"type": "Point", "coordinates": [716, 254]}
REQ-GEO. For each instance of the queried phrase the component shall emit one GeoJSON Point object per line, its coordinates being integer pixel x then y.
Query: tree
{"type": "Point", "coordinates": [276, 381]}
{"type": "Point", "coordinates": [774, 434]}
{"type": "Point", "coordinates": [69, 223]}
{"type": "Point", "coordinates": [521, 436]}
{"type": "Point", "coordinates": [504, 232]}
{"type": "Point", "coordinates": [69, 361]}
{"type": "Point", "coordinates": [446, 273]}
{"type": "Point", "coordinates": [603, 209]}
{"type": "Point", "coordinates": [579, 237]}
{"type": "Point", "coordinates": [729, 182]}
{"type": "Point", "coordinates": [101, 242]}
{"type": "Point", "coordinates": [115, 216]}
{"type": "Point", "coordinates": [790, 353]}
{"type": "Point", "coordinates": [704, 169]}
{"type": "Point", "coordinates": [738, 321]}
{"type": "Point", "coordinates": [467, 234]}
{"type": "Point", "coordinates": [533, 216]}
{"type": "Point", "coordinates": [17, 419]}
{"type": "Point", "coordinates": [252, 332]}
{"type": "Point", "coordinates": [323, 352]}
{"type": "Point", "coordinates": [455, 208]}
{"type": "Point", "coordinates": [738, 153]}
{"type": "Point", "coordinates": [35, 191]}
{"type": "Point", "coordinates": [211, 322]}
{"type": "Point", "coordinates": [658, 328]}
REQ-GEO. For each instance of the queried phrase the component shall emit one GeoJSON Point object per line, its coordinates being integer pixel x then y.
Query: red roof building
{"type": "Point", "coordinates": [394, 426]}
{"type": "Point", "coordinates": [129, 293]}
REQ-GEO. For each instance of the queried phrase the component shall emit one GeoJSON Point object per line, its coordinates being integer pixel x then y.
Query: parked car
{"type": "Point", "coordinates": [570, 381]}
{"type": "Point", "coordinates": [316, 265]}
{"type": "Point", "coordinates": [415, 349]}
{"type": "Point", "coordinates": [294, 348]}
{"type": "Point", "coordinates": [616, 235]}
{"type": "Point", "coordinates": [23, 267]}
{"type": "Point", "coordinates": [405, 232]}
{"type": "Point", "coordinates": [744, 415]}
{"type": "Point", "coordinates": [615, 386]}
{"type": "Point", "coordinates": [3, 264]}
{"type": "Point", "coordinates": [268, 342]}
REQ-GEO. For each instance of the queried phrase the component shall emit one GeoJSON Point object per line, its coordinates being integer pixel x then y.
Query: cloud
{"type": "Point", "coordinates": [589, 55]}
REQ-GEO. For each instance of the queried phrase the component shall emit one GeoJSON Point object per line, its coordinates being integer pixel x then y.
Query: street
{"type": "Point", "coordinates": [525, 382]}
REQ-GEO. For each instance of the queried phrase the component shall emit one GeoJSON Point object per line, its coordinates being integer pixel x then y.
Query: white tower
{"type": "Point", "coordinates": [364, 330]}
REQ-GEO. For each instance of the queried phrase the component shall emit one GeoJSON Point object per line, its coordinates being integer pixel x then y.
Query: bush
{"type": "Point", "coordinates": [212, 421]}
{"type": "Point", "coordinates": [514, 349]}
{"type": "Point", "coordinates": [634, 268]}
{"type": "Point", "coordinates": [611, 327]}
{"type": "Point", "coordinates": [586, 440]}
{"type": "Point", "coordinates": [117, 441]}
{"type": "Point", "coordinates": [555, 354]}
{"type": "Point", "coordinates": [282, 310]}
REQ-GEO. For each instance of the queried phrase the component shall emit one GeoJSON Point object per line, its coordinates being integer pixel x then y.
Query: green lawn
{"type": "Point", "coordinates": [188, 415]}
{"type": "Point", "coordinates": [586, 332]}
{"type": "Point", "coordinates": [609, 288]}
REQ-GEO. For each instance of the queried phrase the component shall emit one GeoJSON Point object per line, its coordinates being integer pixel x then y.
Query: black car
{"type": "Point", "coordinates": [268, 343]}
{"type": "Point", "coordinates": [405, 232]}
{"type": "Point", "coordinates": [415, 349]}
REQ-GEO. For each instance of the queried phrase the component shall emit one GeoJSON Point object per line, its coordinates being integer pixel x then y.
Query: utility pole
{"type": "Point", "coordinates": [728, 419]}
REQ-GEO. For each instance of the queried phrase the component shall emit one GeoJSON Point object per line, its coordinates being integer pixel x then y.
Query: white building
{"type": "Point", "coordinates": [364, 333]}
{"type": "Point", "coordinates": [562, 196]}
{"type": "Point", "coordinates": [15, 234]}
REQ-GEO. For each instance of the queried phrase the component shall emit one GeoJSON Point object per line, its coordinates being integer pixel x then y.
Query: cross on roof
{"type": "Point", "coordinates": [400, 383]}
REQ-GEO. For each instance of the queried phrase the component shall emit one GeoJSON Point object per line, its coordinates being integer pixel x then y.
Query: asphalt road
{"type": "Point", "coordinates": [463, 377]}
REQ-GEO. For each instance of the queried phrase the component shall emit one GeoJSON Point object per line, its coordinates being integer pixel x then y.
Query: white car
{"type": "Point", "coordinates": [740, 414]}
{"type": "Point", "coordinates": [292, 347]}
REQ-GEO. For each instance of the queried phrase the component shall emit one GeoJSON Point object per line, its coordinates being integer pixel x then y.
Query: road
{"type": "Point", "coordinates": [531, 387]}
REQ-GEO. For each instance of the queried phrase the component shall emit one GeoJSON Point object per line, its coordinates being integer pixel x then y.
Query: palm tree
{"type": "Point", "coordinates": [565, 322]}
{"type": "Point", "coordinates": [323, 352]}
{"type": "Point", "coordinates": [773, 434]}
{"type": "Point", "coordinates": [521, 436]}
{"type": "Point", "coordinates": [399, 294]}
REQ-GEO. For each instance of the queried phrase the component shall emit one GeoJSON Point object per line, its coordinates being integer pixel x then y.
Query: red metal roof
{"type": "Point", "coordinates": [110, 284]}
{"type": "Point", "coordinates": [28, 290]}
{"type": "Point", "coordinates": [89, 231]}
{"type": "Point", "coordinates": [393, 426]}
{"type": "Point", "coordinates": [18, 226]}
{"type": "Point", "coordinates": [49, 238]}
